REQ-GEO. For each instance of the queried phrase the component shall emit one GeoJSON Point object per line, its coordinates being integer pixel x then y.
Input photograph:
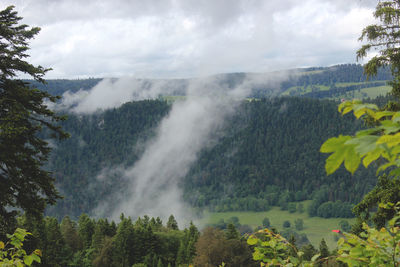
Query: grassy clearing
{"type": "Point", "coordinates": [371, 92]}
{"type": "Point", "coordinates": [301, 90]}
{"type": "Point", "coordinates": [314, 227]}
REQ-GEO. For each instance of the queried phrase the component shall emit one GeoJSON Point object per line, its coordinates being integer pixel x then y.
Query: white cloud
{"type": "Point", "coordinates": [181, 38]}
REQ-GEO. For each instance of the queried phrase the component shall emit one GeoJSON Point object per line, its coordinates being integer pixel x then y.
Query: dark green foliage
{"type": "Point", "coordinates": [292, 207]}
{"type": "Point", "coordinates": [299, 239]}
{"type": "Point", "coordinates": [213, 248]}
{"type": "Point", "coordinates": [387, 190]}
{"type": "Point", "coordinates": [300, 207]}
{"type": "Point", "coordinates": [269, 147]}
{"type": "Point", "coordinates": [286, 224]}
{"type": "Point", "coordinates": [97, 144]}
{"type": "Point", "coordinates": [85, 230]}
{"type": "Point", "coordinates": [266, 223]}
{"type": "Point", "coordinates": [23, 182]}
{"type": "Point", "coordinates": [98, 243]}
{"type": "Point", "coordinates": [309, 251]}
{"type": "Point", "coordinates": [323, 249]}
{"type": "Point", "coordinates": [383, 37]}
{"type": "Point", "coordinates": [345, 226]}
{"type": "Point", "coordinates": [123, 243]}
{"type": "Point", "coordinates": [299, 224]}
{"type": "Point", "coordinates": [55, 252]}
{"type": "Point", "coordinates": [70, 234]}
{"type": "Point", "coordinates": [231, 232]}
{"type": "Point", "coordinates": [271, 151]}
{"type": "Point", "coordinates": [172, 224]}
{"type": "Point", "coordinates": [322, 207]}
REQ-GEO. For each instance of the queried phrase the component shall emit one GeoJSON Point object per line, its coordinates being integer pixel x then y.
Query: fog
{"type": "Point", "coordinates": [152, 185]}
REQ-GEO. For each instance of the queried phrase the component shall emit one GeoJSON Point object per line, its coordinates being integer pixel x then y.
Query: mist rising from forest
{"type": "Point", "coordinates": [152, 184]}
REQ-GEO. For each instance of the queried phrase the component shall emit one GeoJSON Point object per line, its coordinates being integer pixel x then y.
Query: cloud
{"type": "Point", "coordinates": [152, 184]}
{"type": "Point", "coordinates": [187, 38]}
{"type": "Point", "coordinates": [112, 93]}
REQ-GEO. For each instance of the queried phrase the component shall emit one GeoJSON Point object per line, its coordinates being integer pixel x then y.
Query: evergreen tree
{"type": "Point", "coordinates": [299, 224]}
{"type": "Point", "coordinates": [70, 234]}
{"type": "Point", "coordinates": [23, 114]}
{"type": "Point", "coordinates": [323, 251]}
{"type": "Point", "coordinates": [159, 264]}
{"type": "Point", "coordinates": [309, 251]}
{"type": "Point", "coordinates": [54, 246]}
{"type": "Point", "coordinates": [266, 223]}
{"type": "Point", "coordinates": [123, 244]}
{"type": "Point", "coordinates": [104, 257]}
{"type": "Point", "coordinates": [85, 230]}
{"type": "Point", "coordinates": [231, 232]}
{"type": "Point", "coordinates": [172, 224]}
{"type": "Point", "coordinates": [384, 37]}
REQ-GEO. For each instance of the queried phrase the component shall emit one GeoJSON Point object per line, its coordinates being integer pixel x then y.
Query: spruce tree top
{"type": "Point", "coordinates": [24, 185]}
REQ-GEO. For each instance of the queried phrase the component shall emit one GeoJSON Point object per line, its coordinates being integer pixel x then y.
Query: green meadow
{"type": "Point", "coordinates": [314, 227]}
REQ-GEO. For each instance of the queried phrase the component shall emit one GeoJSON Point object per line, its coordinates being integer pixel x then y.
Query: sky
{"type": "Point", "coordinates": [191, 38]}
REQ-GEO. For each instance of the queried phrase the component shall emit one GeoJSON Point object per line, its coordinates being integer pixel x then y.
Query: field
{"type": "Point", "coordinates": [371, 92]}
{"type": "Point", "coordinates": [314, 227]}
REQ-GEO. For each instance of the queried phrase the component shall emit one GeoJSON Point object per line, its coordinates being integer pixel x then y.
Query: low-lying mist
{"type": "Point", "coordinates": [152, 185]}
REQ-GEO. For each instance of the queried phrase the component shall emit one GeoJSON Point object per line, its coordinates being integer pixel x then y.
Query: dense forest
{"type": "Point", "coordinates": [335, 78]}
{"type": "Point", "coordinates": [270, 156]}
{"type": "Point", "coordinates": [144, 242]}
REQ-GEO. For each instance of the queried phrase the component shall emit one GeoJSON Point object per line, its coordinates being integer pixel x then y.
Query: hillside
{"type": "Point", "coordinates": [268, 154]}
{"type": "Point", "coordinates": [336, 82]}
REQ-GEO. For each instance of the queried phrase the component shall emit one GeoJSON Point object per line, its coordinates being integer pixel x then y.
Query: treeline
{"type": "Point", "coordinates": [337, 91]}
{"type": "Point", "coordinates": [60, 86]}
{"type": "Point", "coordinates": [327, 76]}
{"type": "Point", "coordinates": [346, 73]}
{"type": "Point", "coordinates": [149, 242]}
{"type": "Point", "coordinates": [268, 155]}
{"type": "Point", "coordinates": [146, 242]}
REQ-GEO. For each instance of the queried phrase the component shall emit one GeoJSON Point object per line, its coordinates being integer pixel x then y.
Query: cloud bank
{"type": "Point", "coordinates": [152, 185]}
{"type": "Point", "coordinates": [187, 38]}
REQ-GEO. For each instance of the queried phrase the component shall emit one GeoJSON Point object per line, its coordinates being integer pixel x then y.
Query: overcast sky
{"type": "Point", "coordinates": [186, 38]}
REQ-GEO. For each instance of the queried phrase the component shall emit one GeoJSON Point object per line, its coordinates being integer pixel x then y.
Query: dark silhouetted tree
{"type": "Point", "coordinates": [24, 184]}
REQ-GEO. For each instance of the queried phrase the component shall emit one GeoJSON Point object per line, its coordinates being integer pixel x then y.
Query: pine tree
{"type": "Point", "coordinates": [85, 230]}
{"type": "Point", "coordinates": [24, 184]}
{"type": "Point", "coordinates": [172, 224]}
{"type": "Point", "coordinates": [70, 234]}
{"type": "Point", "coordinates": [159, 264]}
{"type": "Point", "coordinates": [231, 232]}
{"type": "Point", "coordinates": [323, 251]}
{"type": "Point", "coordinates": [54, 249]}
{"type": "Point", "coordinates": [384, 37]}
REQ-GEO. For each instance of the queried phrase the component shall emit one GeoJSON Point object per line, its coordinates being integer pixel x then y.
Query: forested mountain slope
{"type": "Point", "coordinates": [336, 82]}
{"type": "Point", "coordinates": [268, 155]}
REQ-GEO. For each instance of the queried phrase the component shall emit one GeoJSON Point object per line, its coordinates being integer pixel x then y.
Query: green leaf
{"type": "Point", "coordinates": [396, 117]}
{"type": "Point", "coordinates": [333, 162]}
{"type": "Point", "coordinates": [380, 114]}
{"type": "Point", "coordinates": [28, 260]}
{"type": "Point", "coordinates": [334, 143]}
{"type": "Point", "coordinates": [315, 257]}
{"type": "Point", "coordinates": [389, 140]}
{"type": "Point", "coordinates": [385, 166]}
{"type": "Point", "coordinates": [347, 110]}
{"type": "Point", "coordinates": [390, 127]}
{"type": "Point", "coordinates": [252, 240]}
{"type": "Point", "coordinates": [372, 156]}
{"type": "Point", "coordinates": [36, 257]}
{"type": "Point", "coordinates": [352, 160]}
{"type": "Point", "coordinates": [364, 144]}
